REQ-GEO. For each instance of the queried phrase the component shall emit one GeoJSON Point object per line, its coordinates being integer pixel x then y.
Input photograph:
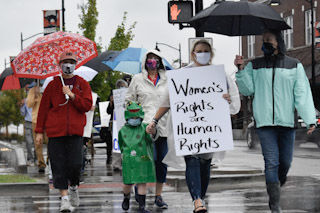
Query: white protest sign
{"type": "Point", "coordinates": [119, 105]}
{"type": "Point", "coordinates": [104, 116]}
{"type": "Point", "coordinates": [89, 115]}
{"type": "Point", "coordinates": [118, 115]}
{"type": "Point", "coordinates": [200, 115]}
{"type": "Point", "coordinates": [115, 144]}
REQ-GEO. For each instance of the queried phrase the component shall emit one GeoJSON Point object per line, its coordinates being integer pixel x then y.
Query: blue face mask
{"type": "Point", "coordinates": [134, 122]}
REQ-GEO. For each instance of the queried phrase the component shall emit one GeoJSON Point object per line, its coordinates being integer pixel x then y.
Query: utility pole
{"type": "Point", "coordinates": [21, 41]}
{"type": "Point", "coordinates": [63, 9]}
{"type": "Point", "coordinates": [199, 8]}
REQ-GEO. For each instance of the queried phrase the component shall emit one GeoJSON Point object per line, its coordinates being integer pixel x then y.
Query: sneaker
{"type": "Point", "coordinates": [160, 203]}
{"type": "Point", "coordinates": [74, 196]}
{"type": "Point", "coordinates": [65, 206]}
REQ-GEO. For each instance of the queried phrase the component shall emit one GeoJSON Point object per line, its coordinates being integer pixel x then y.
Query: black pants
{"type": "Point", "coordinates": [105, 135]}
{"type": "Point", "coordinates": [66, 160]}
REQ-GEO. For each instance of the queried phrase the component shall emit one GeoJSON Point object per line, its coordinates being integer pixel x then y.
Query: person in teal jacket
{"type": "Point", "coordinates": [136, 147]}
{"type": "Point", "coordinates": [279, 86]}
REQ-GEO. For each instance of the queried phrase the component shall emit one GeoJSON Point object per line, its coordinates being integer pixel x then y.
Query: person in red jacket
{"type": "Point", "coordinates": [63, 121]}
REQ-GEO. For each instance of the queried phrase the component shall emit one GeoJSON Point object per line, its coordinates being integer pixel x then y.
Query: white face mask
{"type": "Point", "coordinates": [68, 68]}
{"type": "Point", "coordinates": [203, 58]}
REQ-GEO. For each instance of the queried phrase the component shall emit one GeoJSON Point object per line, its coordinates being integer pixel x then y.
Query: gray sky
{"type": "Point", "coordinates": [152, 25]}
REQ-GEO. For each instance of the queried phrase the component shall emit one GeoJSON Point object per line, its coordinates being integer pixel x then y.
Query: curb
{"type": "Point", "coordinates": [218, 182]}
{"type": "Point", "coordinates": [25, 189]}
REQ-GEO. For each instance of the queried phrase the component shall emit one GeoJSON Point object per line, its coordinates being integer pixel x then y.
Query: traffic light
{"type": "Point", "coordinates": [180, 11]}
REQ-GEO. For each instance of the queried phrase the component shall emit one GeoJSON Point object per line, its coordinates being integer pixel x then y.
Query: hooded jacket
{"type": "Point", "coordinates": [58, 119]}
{"type": "Point", "coordinates": [143, 91]}
{"type": "Point", "coordinates": [279, 86]}
{"type": "Point", "coordinates": [137, 149]}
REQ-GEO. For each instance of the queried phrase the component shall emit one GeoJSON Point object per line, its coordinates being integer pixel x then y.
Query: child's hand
{"type": "Point", "coordinates": [151, 129]}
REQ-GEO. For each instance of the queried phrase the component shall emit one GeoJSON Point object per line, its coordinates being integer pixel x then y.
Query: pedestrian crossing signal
{"type": "Point", "coordinates": [180, 11]}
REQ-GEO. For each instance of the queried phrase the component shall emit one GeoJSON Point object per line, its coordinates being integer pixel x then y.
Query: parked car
{"type": "Point", "coordinates": [301, 133]}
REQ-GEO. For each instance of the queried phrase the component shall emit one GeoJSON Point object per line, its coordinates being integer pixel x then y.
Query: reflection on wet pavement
{"type": "Point", "coordinates": [299, 195]}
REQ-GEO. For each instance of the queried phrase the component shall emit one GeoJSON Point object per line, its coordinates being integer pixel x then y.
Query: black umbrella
{"type": "Point", "coordinates": [238, 19]}
{"type": "Point", "coordinates": [96, 63]}
{"type": "Point", "coordinates": [9, 81]}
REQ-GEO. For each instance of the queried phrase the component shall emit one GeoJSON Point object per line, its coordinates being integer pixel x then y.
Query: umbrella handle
{"type": "Point", "coordinates": [67, 96]}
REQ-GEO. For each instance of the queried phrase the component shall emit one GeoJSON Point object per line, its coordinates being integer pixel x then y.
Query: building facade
{"type": "Point", "coordinates": [297, 14]}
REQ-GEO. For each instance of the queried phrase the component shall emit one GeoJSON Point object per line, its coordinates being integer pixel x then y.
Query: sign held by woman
{"type": "Point", "coordinates": [200, 115]}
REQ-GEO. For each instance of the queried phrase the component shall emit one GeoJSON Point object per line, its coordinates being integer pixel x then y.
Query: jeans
{"type": "Point", "coordinates": [197, 176]}
{"type": "Point", "coordinates": [160, 151]}
{"type": "Point", "coordinates": [277, 145]}
{"type": "Point", "coordinates": [29, 140]}
{"type": "Point", "coordinates": [66, 160]}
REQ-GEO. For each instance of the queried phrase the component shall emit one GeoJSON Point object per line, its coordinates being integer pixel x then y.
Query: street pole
{"type": "Point", "coordinates": [180, 55]}
{"type": "Point", "coordinates": [313, 77]}
{"type": "Point", "coordinates": [199, 8]}
{"type": "Point", "coordinates": [21, 41]}
{"type": "Point", "coordinates": [178, 49]}
{"type": "Point", "coordinates": [63, 24]}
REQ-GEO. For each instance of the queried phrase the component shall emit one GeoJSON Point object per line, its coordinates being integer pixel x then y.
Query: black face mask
{"type": "Point", "coordinates": [267, 49]}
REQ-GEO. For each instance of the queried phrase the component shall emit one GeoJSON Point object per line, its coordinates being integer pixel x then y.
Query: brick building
{"type": "Point", "coordinates": [297, 14]}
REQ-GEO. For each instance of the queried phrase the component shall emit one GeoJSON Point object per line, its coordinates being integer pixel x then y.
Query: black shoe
{"type": "Point", "coordinates": [142, 204]}
{"type": "Point", "coordinates": [109, 160]}
{"type": "Point", "coordinates": [41, 170]}
{"type": "Point", "coordinates": [126, 202]}
{"type": "Point", "coordinates": [116, 169]}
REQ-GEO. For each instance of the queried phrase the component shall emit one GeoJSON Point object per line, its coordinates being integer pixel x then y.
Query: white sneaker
{"type": "Point", "coordinates": [74, 196]}
{"type": "Point", "coordinates": [65, 206]}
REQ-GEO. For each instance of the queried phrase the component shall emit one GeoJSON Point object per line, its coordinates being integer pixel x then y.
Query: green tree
{"type": "Point", "coordinates": [123, 37]}
{"type": "Point", "coordinates": [104, 82]}
{"type": "Point", "coordinates": [10, 109]}
{"type": "Point", "coordinates": [89, 20]}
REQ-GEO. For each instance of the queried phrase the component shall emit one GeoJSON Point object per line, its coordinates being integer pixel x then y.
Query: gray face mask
{"type": "Point", "coordinates": [68, 68]}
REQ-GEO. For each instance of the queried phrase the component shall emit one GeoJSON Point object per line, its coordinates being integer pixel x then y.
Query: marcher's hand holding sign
{"type": "Point", "coordinates": [66, 90]}
{"type": "Point", "coordinates": [239, 62]}
{"type": "Point", "coordinates": [39, 138]}
{"type": "Point", "coordinates": [227, 97]}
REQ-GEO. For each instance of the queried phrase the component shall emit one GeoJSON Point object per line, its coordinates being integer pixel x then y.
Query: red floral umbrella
{"type": "Point", "coordinates": [41, 59]}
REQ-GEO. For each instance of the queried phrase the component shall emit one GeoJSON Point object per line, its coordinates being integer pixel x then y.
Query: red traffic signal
{"type": "Point", "coordinates": [180, 11]}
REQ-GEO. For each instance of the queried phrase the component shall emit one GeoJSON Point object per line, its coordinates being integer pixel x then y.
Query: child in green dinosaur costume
{"type": "Point", "coordinates": [137, 155]}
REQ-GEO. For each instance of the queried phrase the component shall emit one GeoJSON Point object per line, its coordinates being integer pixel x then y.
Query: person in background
{"type": "Point", "coordinates": [127, 78]}
{"type": "Point", "coordinates": [279, 85]}
{"type": "Point", "coordinates": [62, 116]}
{"type": "Point", "coordinates": [33, 101]}
{"type": "Point", "coordinates": [116, 161]}
{"type": "Point", "coordinates": [197, 165]}
{"type": "Point", "coordinates": [26, 112]}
